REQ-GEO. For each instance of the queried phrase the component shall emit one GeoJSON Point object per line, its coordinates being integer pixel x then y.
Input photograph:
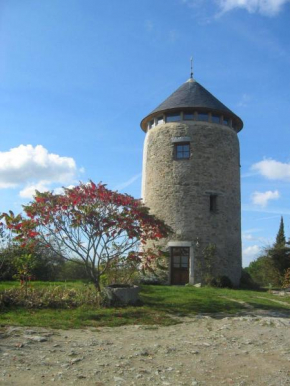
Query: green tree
{"type": "Point", "coordinates": [263, 271]}
{"type": "Point", "coordinates": [91, 223]}
{"type": "Point", "coordinates": [24, 265]}
{"type": "Point", "coordinates": [271, 266]}
{"type": "Point", "coordinates": [280, 252]}
{"type": "Point", "coordinates": [280, 238]}
{"type": "Point", "coordinates": [8, 251]}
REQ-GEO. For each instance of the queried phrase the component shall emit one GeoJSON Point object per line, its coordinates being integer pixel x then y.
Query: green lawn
{"type": "Point", "coordinates": [161, 304]}
{"type": "Point", "coordinates": [43, 284]}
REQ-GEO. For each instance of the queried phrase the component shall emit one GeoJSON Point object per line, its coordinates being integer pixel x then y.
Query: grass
{"type": "Point", "coordinates": [44, 284]}
{"type": "Point", "coordinates": [161, 306]}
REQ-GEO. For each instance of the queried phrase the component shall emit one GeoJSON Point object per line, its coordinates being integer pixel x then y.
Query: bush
{"type": "Point", "coordinates": [286, 282]}
{"type": "Point", "coordinates": [54, 297]}
{"type": "Point", "coordinates": [263, 271]}
{"type": "Point", "coordinates": [221, 282]}
{"type": "Point", "coordinates": [247, 281]}
{"type": "Point", "coordinates": [151, 280]}
{"type": "Point", "coordinates": [73, 269]}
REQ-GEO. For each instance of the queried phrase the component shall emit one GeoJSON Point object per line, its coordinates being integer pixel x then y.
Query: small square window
{"type": "Point", "coordinates": [182, 150]}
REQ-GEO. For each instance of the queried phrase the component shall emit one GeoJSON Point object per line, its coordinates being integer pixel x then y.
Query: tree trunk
{"type": "Point", "coordinates": [97, 285]}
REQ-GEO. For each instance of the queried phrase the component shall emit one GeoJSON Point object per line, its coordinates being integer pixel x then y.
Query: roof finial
{"type": "Point", "coordinates": [191, 68]}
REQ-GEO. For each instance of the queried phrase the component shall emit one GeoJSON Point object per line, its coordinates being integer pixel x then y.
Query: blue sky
{"type": "Point", "coordinates": [77, 77]}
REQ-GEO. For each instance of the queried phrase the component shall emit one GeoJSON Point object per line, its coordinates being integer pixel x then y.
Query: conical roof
{"type": "Point", "coordinates": [191, 95]}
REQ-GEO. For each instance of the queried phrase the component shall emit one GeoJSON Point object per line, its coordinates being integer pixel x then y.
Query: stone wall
{"type": "Point", "coordinates": [178, 191]}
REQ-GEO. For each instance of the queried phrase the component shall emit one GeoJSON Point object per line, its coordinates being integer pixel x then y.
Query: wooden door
{"type": "Point", "coordinates": [179, 265]}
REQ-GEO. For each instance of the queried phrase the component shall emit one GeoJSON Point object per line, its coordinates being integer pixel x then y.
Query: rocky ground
{"type": "Point", "coordinates": [250, 349]}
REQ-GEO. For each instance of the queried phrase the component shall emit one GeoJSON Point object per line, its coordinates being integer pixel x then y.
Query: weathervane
{"type": "Point", "coordinates": [191, 68]}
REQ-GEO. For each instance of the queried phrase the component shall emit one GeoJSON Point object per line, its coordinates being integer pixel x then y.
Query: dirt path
{"type": "Point", "coordinates": [243, 350]}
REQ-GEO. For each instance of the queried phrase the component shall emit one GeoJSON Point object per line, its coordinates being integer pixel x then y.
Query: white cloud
{"type": "Point", "coordinates": [273, 170]}
{"type": "Point", "coordinates": [261, 199]}
{"type": "Point", "coordinates": [264, 7]}
{"type": "Point", "coordinates": [250, 253]}
{"type": "Point", "coordinates": [246, 236]}
{"type": "Point", "coordinates": [129, 182]}
{"type": "Point", "coordinates": [249, 174]}
{"type": "Point", "coordinates": [244, 101]}
{"type": "Point", "coordinates": [256, 209]}
{"type": "Point", "coordinates": [29, 190]}
{"type": "Point", "coordinates": [30, 165]}
{"type": "Point", "coordinates": [173, 36]}
{"type": "Point", "coordinates": [253, 230]}
{"type": "Point", "coordinates": [61, 190]}
{"type": "Point", "coordinates": [267, 218]}
{"type": "Point", "coordinates": [149, 25]}
{"type": "Point", "coordinates": [41, 186]}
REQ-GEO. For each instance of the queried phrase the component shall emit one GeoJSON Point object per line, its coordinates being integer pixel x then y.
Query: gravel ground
{"type": "Point", "coordinates": [252, 349]}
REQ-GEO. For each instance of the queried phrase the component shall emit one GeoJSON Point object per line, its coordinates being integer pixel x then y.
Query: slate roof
{"type": "Point", "coordinates": [191, 94]}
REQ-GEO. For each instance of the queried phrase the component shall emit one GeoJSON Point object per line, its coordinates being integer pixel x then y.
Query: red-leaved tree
{"type": "Point", "coordinates": [91, 222]}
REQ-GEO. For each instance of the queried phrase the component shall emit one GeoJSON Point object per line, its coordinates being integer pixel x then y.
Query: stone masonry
{"type": "Point", "coordinates": [178, 191]}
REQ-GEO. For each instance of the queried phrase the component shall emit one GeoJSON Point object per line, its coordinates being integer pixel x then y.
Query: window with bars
{"type": "Point", "coordinates": [182, 150]}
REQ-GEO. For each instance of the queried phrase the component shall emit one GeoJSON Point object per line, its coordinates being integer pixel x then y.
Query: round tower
{"type": "Point", "coordinates": [191, 180]}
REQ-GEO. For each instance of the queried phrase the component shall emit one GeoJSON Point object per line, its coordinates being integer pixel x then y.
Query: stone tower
{"type": "Point", "coordinates": [191, 180]}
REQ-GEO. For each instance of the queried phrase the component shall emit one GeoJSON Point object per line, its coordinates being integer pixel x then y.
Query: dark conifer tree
{"type": "Point", "coordinates": [280, 238]}
{"type": "Point", "coordinates": [280, 252]}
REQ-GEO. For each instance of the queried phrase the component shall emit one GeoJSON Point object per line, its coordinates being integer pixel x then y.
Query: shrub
{"type": "Point", "coordinates": [247, 281]}
{"type": "Point", "coordinates": [151, 280]}
{"type": "Point", "coordinates": [222, 282]}
{"type": "Point", "coordinates": [101, 227]}
{"type": "Point", "coordinates": [286, 282]}
{"type": "Point", "coordinates": [51, 297]}
{"type": "Point", "coordinates": [263, 271]}
{"type": "Point", "coordinates": [73, 269]}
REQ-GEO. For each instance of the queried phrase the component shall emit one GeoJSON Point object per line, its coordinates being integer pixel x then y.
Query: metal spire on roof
{"type": "Point", "coordinates": [191, 68]}
{"type": "Point", "coordinates": [191, 80]}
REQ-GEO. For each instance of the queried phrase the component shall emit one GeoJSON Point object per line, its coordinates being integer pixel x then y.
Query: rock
{"type": "Point", "coordinates": [36, 338]}
{"type": "Point", "coordinates": [72, 353]}
{"type": "Point", "coordinates": [118, 379]}
{"type": "Point", "coordinates": [76, 360]}
{"type": "Point", "coordinates": [30, 332]}
{"type": "Point", "coordinates": [144, 353]}
{"type": "Point", "coordinates": [120, 294]}
{"type": "Point", "coordinates": [12, 330]}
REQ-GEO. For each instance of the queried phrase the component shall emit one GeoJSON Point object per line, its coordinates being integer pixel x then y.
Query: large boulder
{"type": "Point", "coordinates": [120, 295]}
